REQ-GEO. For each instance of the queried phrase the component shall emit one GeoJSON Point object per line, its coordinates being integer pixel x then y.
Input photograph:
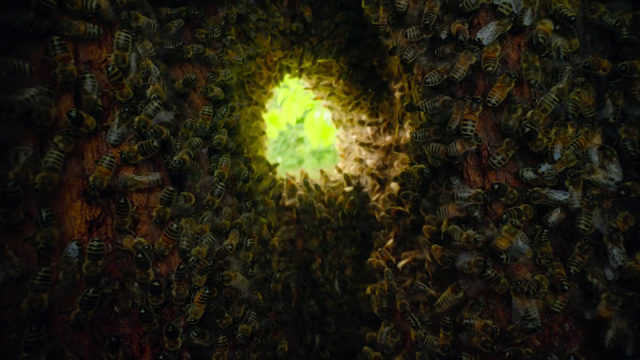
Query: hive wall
{"type": "Point", "coordinates": [363, 263]}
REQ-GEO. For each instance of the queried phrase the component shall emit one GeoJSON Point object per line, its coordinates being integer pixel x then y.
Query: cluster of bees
{"type": "Point", "coordinates": [517, 182]}
{"type": "Point", "coordinates": [489, 150]}
{"type": "Point", "coordinates": [178, 241]}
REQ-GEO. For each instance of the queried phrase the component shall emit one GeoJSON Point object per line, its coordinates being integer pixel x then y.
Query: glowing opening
{"type": "Point", "coordinates": [300, 132]}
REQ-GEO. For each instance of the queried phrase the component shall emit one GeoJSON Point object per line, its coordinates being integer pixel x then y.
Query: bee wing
{"type": "Point", "coordinates": [557, 195]}
{"type": "Point", "coordinates": [614, 169]}
{"type": "Point", "coordinates": [517, 5]}
{"type": "Point", "coordinates": [489, 33]}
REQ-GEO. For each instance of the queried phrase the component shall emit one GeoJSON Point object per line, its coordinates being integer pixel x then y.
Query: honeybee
{"type": "Point", "coordinates": [122, 43]}
{"type": "Point", "coordinates": [79, 29]}
{"type": "Point", "coordinates": [450, 297]}
{"type": "Point", "coordinates": [621, 224]}
{"type": "Point", "coordinates": [140, 151]}
{"type": "Point", "coordinates": [431, 11]}
{"type": "Point", "coordinates": [117, 82]}
{"type": "Point", "coordinates": [564, 14]}
{"type": "Point", "coordinates": [460, 30]}
{"type": "Point", "coordinates": [465, 61]}
{"type": "Point", "coordinates": [482, 326]}
{"type": "Point", "coordinates": [531, 70]}
{"type": "Point", "coordinates": [137, 21]}
{"type": "Point", "coordinates": [459, 109]}
{"type": "Point", "coordinates": [499, 92]}
{"type": "Point", "coordinates": [490, 57]}
{"type": "Point", "coordinates": [66, 72]}
{"type": "Point", "coordinates": [504, 193]}
{"type": "Point", "coordinates": [543, 32]}
{"type": "Point", "coordinates": [132, 182]}
{"type": "Point", "coordinates": [538, 284]}
{"type": "Point", "coordinates": [470, 118]}
{"type": "Point", "coordinates": [437, 76]}
{"type": "Point", "coordinates": [493, 30]}
{"type": "Point", "coordinates": [462, 146]}
{"type": "Point", "coordinates": [470, 5]}
{"type": "Point", "coordinates": [87, 304]}
{"type": "Point", "coordinates": [92, 266]}
{"type": "Point", "coordinates": [598, 66]}
{"type": "Point", "coordinates": [101, 176]}
{"type": "Point", "coordinates": [147, 318]}
{"type": "Point", "coordinates": [578, 258]}
{"type": "Point", "coordinates": [212, 92]}
{"type": "Point", "coordinates": [561, 47]}
{"type": "Point", "coordinates": [502, 155]}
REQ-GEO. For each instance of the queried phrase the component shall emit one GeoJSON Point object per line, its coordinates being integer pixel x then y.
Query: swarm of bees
{"type": "Point", "coordinates": [484, 206]}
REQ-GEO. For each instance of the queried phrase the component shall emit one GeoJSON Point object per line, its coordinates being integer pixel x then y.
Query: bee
{"type": "Point", "coordinates": [92, 266]}
{"type": "Point", "coordinates": [470, 5]}
{"type": "Point", "coordinates": [556, 270]}
{"type": "Point", "coordinates": [581, 252]}
{"type": "Point", "coordinates": [538, 284]}
{"type": "Point", "coordinates": [155, 292]}
{"type": "Point", "coordinates": [436, 344]}
{"type": "Point", "coordinates": [628, 190]}
{"type": "Point", "coordinates": [599, 14]}
{"type": "Point", "coordinates": [212, 92]}
{"type": "Point", "coordinates": [122, 43]}
{"type": "Point", "coordinates": [531, 70]}
{"type": "Point", "coordinates": [412, 52]}
{"type": "Point", "coordinates": [543, 32]}
{"type": "Point", "coordinates": [493, 30]}
{"type": "Point", "coordinates": [132, 182]}
{"type": "Point", "coordinates": [502, 155]}
{"type": "Point", "coordinates": [447, 50]}
{"type": "Point", "coordinates": [101, 176]}
{"type": "Point", "coordinates": [167, 240]}
{"type": "Point", "coordinates": [482, 326]}
{"type": "Point", "coordinates": [180, 284]}
{"type": "Point", "coordinates": [111, 349]}
{"type": "Point", "coordinates": [34, 341]}
{"type": "Point", "coordinates": [437, 76]}
{"type": "Point", "coordinates": [66, 72]}
{"type": "Point", "coordinates": [90, 6]}
{"type": "Point", "coordinates": [459, 109]}
{"type": "Point", "coordinates": [204, 121]}
{"type": "Point", "coordinates": [560, 302]}
{"type": "Point", "coordinates": [147, 318]}
{"type": "Point", "coordinates": [80, 29]}
{"type": "Point", "coordinates": [504, 193]}
{"type": "Point", "coordinates": [37, 301]}
{"type": "Point", "coordinates": [563, 13]}
{"type": "Point", "coordinates": [89, 94]}
{"type": "Point", "coordinates": [584, 219]}
{"type": "Point", "coordinates": [430, 13]}
{"type": "Point", "coordinates": [172, 339]}
{"type": "Point", "coordinates": [116, 80]}
{"type": "Point", "coordinates": [470, 118]}
{"type": "Point", "coordinates": [460, 30]}
{"type": "Point", "coordinates": [137, 21]}
{"type": "Point", "coordinates": [562, 47]}
{"type": "Point", "coordinates": [10, 66]}
{"type": "Point", "coordinates": [450, 297]}
{"type": "Point", "coordinates": [490, 57]}
{"type": "Point", "coordinates": [462, 146]}
{"type": "Point", "coordinates": [499, 92]}
{"type": "Point", "coordinates": [69, 273]}
{"type": "Point", "coordinates": [186, 83]}
{"type": "Point", "coordinates": [81, 121]}
{"type": "Point", "coordinates": [621, 224]}
{"type": "Point", "coordinates": [461, 68]}
{"type": "Point", "coordinates": [629, 69]}
{"type": "Point", "coordinates": [48, 178]}
{"type": "Point", "coordinates": [173, 26]}
{"type": "Point", "coordinates": [517, 213]}
{"type": "Point", "coordinates": [87, 304]}
{"type": "Point", "coordinates": [415, 33]}
{"type": "Point", "coordinates": [142, 262]}
{"type": "Point", "coordinates": [598, 66]}
{"type": "Point", "coordinates": [140, 151]}
{"type": "Point", "coordinates": [196, 309]}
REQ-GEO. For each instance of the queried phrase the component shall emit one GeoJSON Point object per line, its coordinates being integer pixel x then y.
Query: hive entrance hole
{"type": "Point", "coordinates": [300, 132]}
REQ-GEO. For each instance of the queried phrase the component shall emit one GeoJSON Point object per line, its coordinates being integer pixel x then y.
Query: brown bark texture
{"type": "Point", "coordinates": [450, 230]}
